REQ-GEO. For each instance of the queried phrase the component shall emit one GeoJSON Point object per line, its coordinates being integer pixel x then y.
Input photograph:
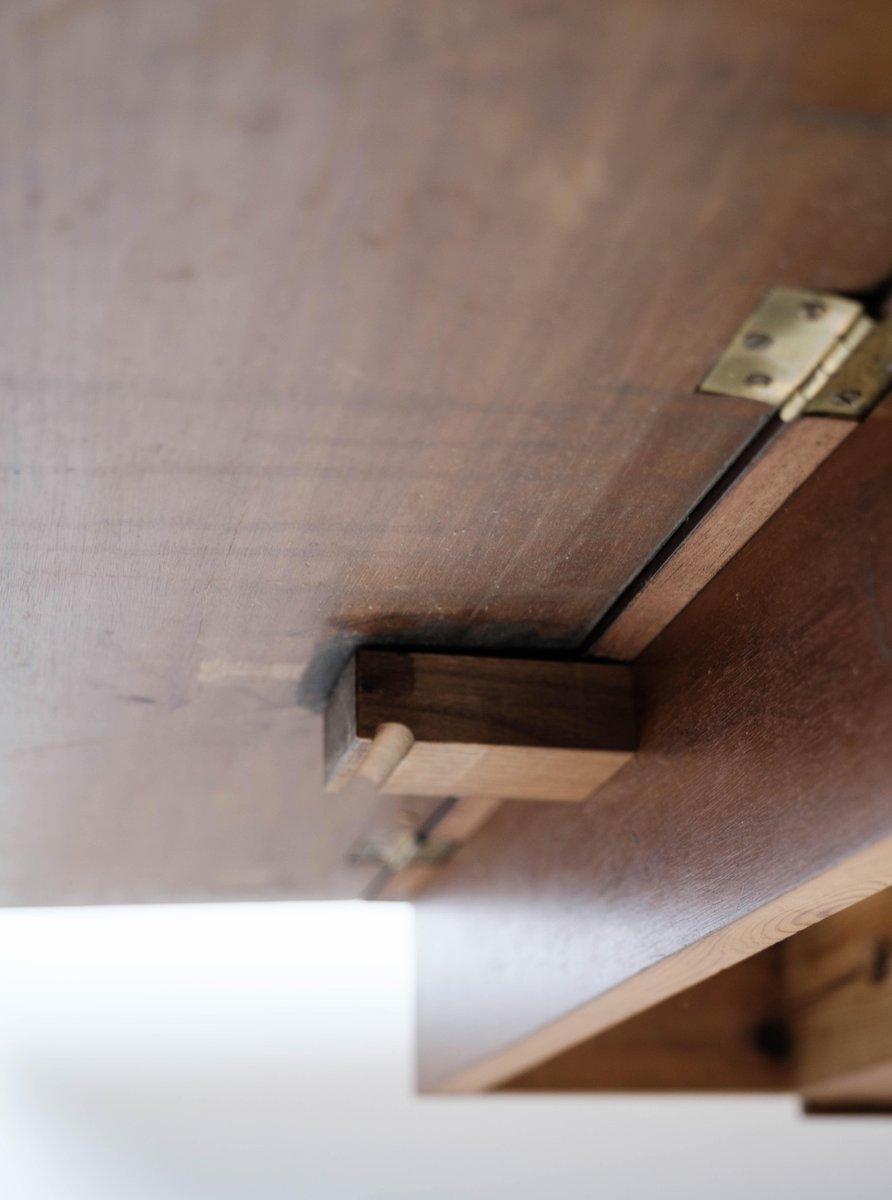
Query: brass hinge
{"type": "Point", "coordinates": [807, 353]}
{"type": "Point", "coordinates": [406, 849]}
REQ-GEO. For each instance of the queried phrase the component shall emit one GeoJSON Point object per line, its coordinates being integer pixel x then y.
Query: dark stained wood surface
{"type": "Point", "coordinates": [700, 548]}
{"type": "Point", "coordinates": [759, 799]}
{"type": "Point", "coordinates": [330, 320]}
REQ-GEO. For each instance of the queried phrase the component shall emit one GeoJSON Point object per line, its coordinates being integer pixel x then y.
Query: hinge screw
{"type": "Point", "coordinates": [848, 398]}
{"type": "Point", "coordinates": [758, 379]}
{"type": "Point", "coordinates": [757, 341]}
{"type": "Point", "coordinates": [814, 309]}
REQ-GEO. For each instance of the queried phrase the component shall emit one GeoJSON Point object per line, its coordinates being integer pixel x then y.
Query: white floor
{"type": "Point", "coordinates": [264, 1052]}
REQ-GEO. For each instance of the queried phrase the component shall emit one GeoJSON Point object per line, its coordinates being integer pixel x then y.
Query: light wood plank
{"type": "Point", "coordinates": [726, 1035]}
{"type": "Point", "coordinates": [838, 983]}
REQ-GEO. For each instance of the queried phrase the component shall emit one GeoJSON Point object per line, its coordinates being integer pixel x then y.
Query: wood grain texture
{"type": "Point", "coordinates": [444, 724]}
{"type": "Point", "coordinates": [725, 1035]}
{"type": "Point", "coordinates": [741, 506]}
{"type": "Point", "coordinates": [811, 1014]}
{"type": "Point", "coordinates": [326, 321]}
{"type": "Point", "coordinates": [744, 505]}
{"type": "Point", "coordinates": [757, 804]}
{"type": "Point", "coordinates": [849, 883]}
{"type": "Point", "coordinates": [838, 986]}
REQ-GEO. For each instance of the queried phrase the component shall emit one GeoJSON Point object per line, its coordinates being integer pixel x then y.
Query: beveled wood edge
{"type": "Point", "coordinates": [736, 510]}
{"type": "Point", "coordinates": [846, 883]}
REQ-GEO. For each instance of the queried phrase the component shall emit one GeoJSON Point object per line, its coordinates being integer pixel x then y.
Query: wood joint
{"type": "Point", "coordinates": [428, 724]}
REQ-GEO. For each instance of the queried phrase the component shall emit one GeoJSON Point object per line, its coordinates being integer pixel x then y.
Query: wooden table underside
{"type": "Point", "coordinates": [758, 803]}
{"type": "Point", "coordinates": [326, 322]}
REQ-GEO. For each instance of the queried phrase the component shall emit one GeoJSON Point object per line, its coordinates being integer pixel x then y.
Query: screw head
{"type": "Point", "coordinates": [757, 341]}
{"type": "Point", "coordinates": [847, 399]}
{"type": "Point", "coordinates": [814, 309]}
{"type": "Point", "coordinates": [758, 379]}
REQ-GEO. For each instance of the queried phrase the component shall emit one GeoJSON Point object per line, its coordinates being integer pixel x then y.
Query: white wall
{"type": "Point", "coordinates": [264, 1052]}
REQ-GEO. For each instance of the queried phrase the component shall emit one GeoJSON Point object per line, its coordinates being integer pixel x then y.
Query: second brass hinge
{"type": "Point", "coordinates": [807, 353]}
{"type": "Point", "coordinates": [406, 849]}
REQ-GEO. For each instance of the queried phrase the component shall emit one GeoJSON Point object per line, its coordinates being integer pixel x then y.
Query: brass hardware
{"type": "Point", "coordinates": [824, 374]}
{"type": "Point", "coordinates": [807, 352]}
{"type": "Point", "coordinates": [406, 849]}
{"type": "Point", "coordinates": [860, 380]}
{"type": "Point", "coordinates": [781, 344]}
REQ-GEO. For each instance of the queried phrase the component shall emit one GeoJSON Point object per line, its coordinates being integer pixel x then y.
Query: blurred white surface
{"type": "Point", "coordinates": [264, 1052]}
